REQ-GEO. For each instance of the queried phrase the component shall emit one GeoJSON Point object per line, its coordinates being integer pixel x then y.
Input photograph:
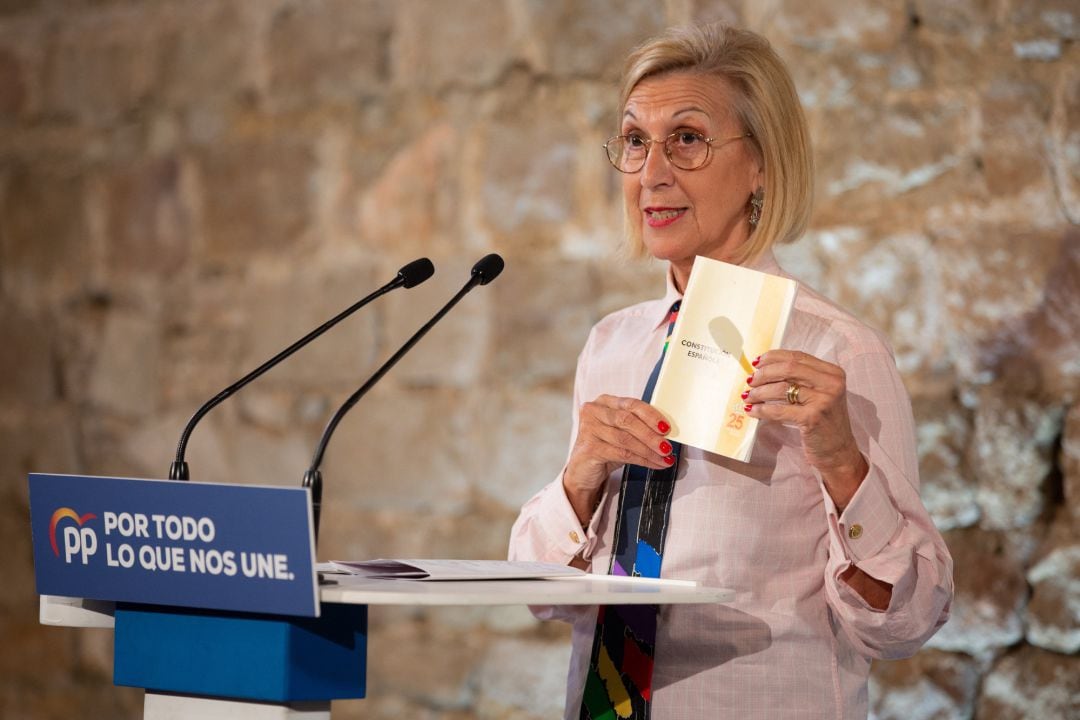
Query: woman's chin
{"type": "Point", "coordinates": [679, 257]}
{"type": "Point", "coordinates": [665, 250]}
{"type": "Point", "coordinates": [684, 253]}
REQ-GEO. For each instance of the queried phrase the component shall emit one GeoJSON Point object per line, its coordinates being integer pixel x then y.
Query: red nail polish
{"type": "Point", "coordinates": [662, 426]}
{"type": "Point", "coordinates": [749, 379]}
{"type": "Point", "coordinates": [670, 459]}
{"type": "Point", "coordinates": [745, 395]}
{"type": "Point", "coordinates": [756, 361]}
{"type": "Point", "coordinates": [748, 408]}
{"type": "Point", "coordinates": [665, 447]}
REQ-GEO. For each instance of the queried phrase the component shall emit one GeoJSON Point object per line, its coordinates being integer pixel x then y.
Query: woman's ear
{"type": "Point", "coordinates": [758, 180]}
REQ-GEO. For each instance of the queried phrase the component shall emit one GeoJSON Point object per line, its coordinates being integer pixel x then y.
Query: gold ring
{"type": "Point", "coordinates": [793, 394]}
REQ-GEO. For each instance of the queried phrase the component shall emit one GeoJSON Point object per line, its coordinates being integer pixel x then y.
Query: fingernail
{"type": "Point", "coordinates": [665, 447]}
{"type": "Point", "coordinates": [748, 408]}
{"type": "Point", "coordinates": [745, 395]}
{"type": "Point", "coordinates": [749, 379]}
{"type": "Point", "coordinates": [662, 426]}
{"type": "Point", "coordinates": [670, 460]}
{"type": "Point", "coordinates": [756, 361]}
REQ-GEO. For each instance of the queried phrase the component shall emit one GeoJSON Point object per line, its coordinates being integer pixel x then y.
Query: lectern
{"type": "Point", "coordinates": [215, 601]}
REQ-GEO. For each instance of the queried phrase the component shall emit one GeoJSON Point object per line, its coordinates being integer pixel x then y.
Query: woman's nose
{"type": "Point", "coordinates": [657, 169]}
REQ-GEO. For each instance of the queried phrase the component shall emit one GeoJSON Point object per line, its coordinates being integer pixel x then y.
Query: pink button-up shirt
{"type": "Point", "coordinates": [797, 641]}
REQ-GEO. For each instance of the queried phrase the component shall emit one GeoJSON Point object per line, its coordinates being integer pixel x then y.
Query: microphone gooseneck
{"type": "Point", "coordinates": [409, 276]}
{"type": "Point", "coordinates": [483, 272]}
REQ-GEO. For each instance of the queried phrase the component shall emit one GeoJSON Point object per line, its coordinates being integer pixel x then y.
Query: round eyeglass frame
{"type": "Point", "coordinates": [667, 149]}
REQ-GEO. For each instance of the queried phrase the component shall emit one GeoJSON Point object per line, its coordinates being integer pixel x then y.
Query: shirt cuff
{"type": "Point", "coordinates": [870, 520]}
{"type": "Point", "coordinates": [566, 534]}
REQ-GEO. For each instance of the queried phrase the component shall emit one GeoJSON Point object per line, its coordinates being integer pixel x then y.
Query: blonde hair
{"type": "Point", "coordinates": [765, 103]}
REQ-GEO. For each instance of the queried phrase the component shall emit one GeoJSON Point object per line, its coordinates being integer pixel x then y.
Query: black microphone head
{"type": "Point", "coordinates": [488, 268]}
{"type": "Point", "coordinates": [416, 272]}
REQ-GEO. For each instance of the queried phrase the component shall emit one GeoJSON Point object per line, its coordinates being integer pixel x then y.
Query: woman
{"type": "Point", "coordinates": [822, 535]}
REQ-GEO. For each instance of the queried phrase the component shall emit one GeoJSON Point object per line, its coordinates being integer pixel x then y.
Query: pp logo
{"type": "Point", "coordinates": [78, 540]}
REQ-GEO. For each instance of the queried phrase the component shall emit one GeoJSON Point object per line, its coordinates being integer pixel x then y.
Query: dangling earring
{"type": "Point", "coordinates": [757, 201]}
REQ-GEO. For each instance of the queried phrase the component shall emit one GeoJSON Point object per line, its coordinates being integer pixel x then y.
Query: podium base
{"type": "Point", "coordinates": [266, 658]}
{"type": "Point", "coordinates": [166, 706]}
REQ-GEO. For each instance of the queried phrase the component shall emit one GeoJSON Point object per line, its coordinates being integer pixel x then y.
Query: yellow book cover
{"type": "Point", "coordinates": [729, 316]}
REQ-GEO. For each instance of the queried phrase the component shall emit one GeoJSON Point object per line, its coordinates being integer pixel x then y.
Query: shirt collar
{"type": "Point", "coordinates": [765, 262]}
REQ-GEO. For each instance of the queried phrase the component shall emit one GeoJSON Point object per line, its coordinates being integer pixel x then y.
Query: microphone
{"type": "Point", "coordinates": [409, 276]}
{"type": "Point", "coordinates": [484, 271]}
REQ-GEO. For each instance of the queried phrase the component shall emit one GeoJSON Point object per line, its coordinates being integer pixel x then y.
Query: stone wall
{"type": "Point", "coordinates": [186, 187]}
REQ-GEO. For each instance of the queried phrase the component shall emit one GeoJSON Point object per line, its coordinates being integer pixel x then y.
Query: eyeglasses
{"type": "Point", "coordinates": [685, 149]}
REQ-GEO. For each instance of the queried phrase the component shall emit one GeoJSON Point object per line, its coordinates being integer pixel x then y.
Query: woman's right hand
{"type": "Point", "coordinates": [613, 431]}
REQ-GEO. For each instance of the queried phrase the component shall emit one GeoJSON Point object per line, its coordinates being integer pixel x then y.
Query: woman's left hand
{"type": "Point", "coordinates": [800, 389]}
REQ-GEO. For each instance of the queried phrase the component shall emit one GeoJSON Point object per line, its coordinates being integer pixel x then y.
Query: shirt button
{"type": "Point", "coordinates": [574, 537]}
{"type": "Point", "coordinates": [855, 531]}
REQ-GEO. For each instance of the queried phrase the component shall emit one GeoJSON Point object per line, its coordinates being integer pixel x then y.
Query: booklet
{"type": "Point", "coordinates": [451, 569]}
{"type": "Point", "coordinates": [729, 315]}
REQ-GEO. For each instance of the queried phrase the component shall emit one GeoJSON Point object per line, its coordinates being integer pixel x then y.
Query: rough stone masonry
{"type": "Point", "coordinates": [185, 188]}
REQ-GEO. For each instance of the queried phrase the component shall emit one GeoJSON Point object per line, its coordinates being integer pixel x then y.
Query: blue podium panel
{"type": "Point", "coordinates": [233, 655]}
{"type": "Point", "coordinates": [163, 542]}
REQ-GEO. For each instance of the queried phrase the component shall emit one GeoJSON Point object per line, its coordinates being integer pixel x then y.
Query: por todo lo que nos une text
{"type": "Point", "coordinates": [82, 544]}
